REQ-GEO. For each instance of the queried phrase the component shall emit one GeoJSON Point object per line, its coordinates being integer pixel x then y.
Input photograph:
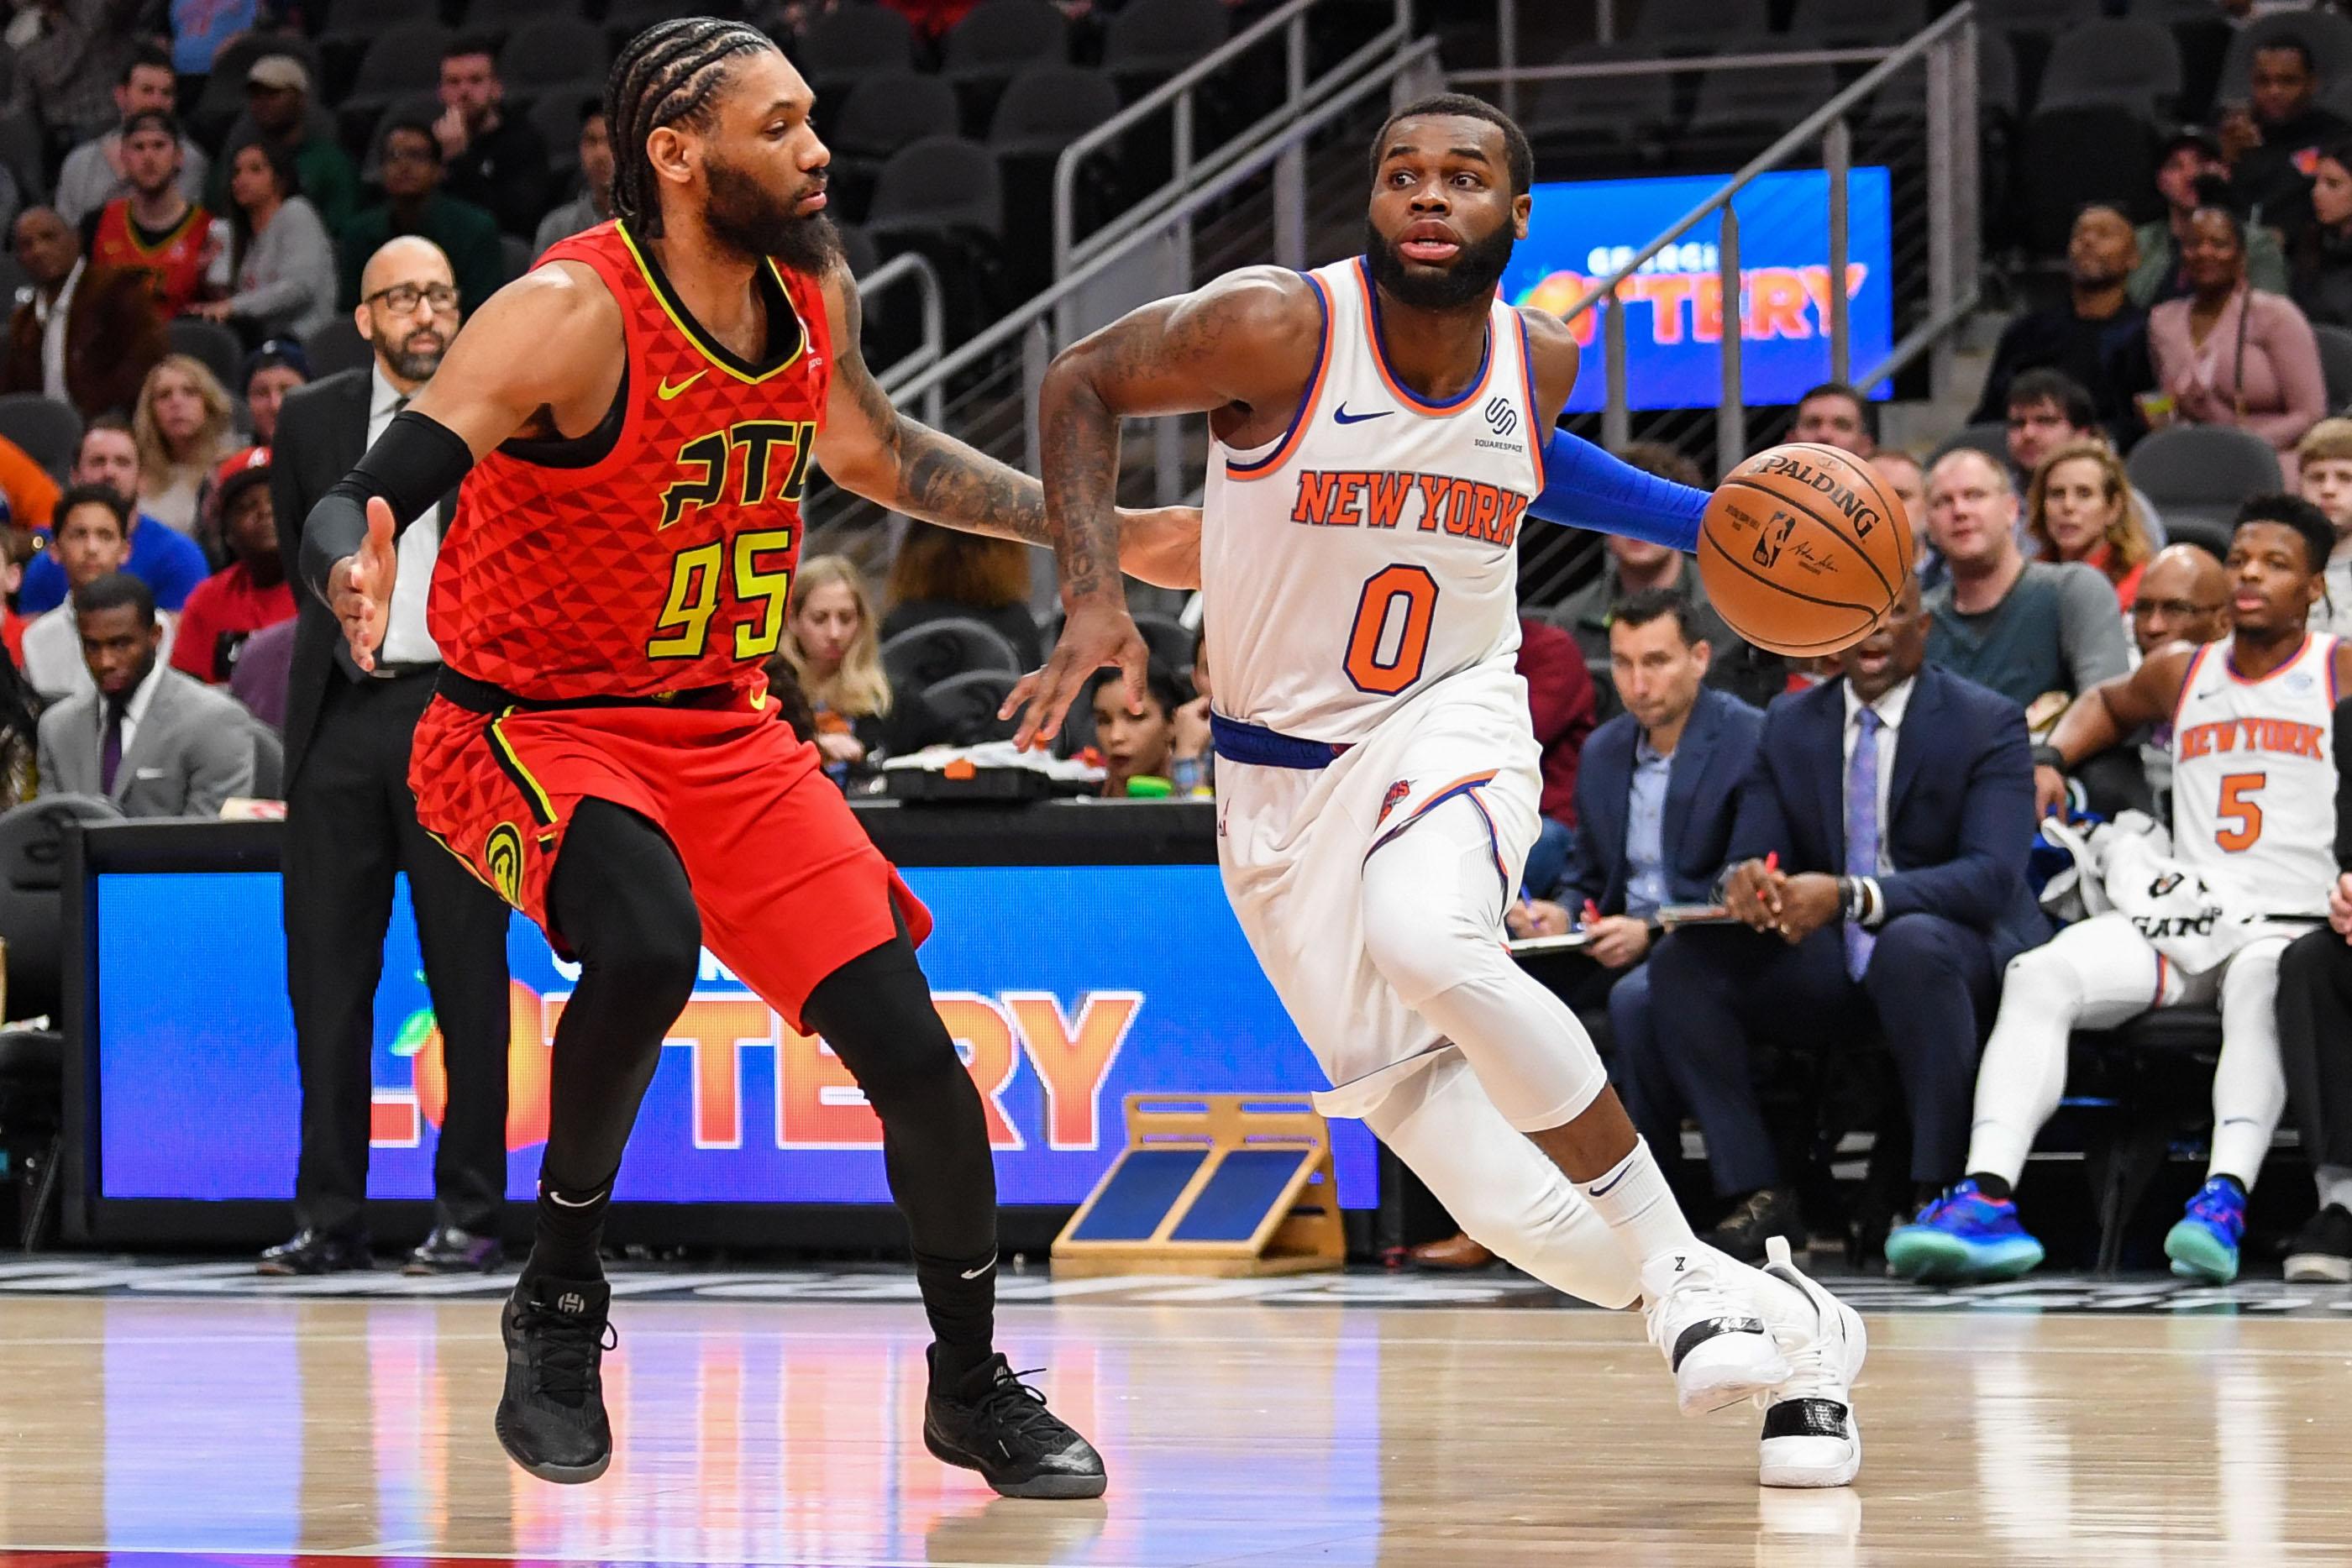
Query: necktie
{"type": "Point", "coordinates": [1862, 830]}
{"type": "Point", "coordinates": [110, 747]}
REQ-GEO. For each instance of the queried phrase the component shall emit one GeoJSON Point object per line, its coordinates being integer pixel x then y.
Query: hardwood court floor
{"type": "Point", "coordinates": [764, 1433]}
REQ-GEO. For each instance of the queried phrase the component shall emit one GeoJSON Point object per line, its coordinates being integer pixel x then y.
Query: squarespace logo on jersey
{"type": "Point", "coordinates": [818, 1105]}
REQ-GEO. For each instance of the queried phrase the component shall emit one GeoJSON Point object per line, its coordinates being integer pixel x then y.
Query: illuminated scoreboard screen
{"type": "Point", "coordinates": [1582, 231]}
{"type": "Point", "coordinates": [1066, 987]}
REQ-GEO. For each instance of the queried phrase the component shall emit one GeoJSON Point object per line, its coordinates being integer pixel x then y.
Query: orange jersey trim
{"type": "Point", "coordinates": [1259, 467]}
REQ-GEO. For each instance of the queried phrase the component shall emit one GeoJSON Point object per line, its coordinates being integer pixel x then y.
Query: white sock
{"type": "Point", "coordinates": [1632, 1199]}
{"type": "Point", "coordinates": [2335, 1185]}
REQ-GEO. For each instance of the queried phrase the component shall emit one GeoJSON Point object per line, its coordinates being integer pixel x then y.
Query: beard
{"type": "Point", "coordinates": [1476, 269]}
{"type": "Point", "coordinates": [415, 357]}
{"type": "Point", "coordinates": [746, 216]}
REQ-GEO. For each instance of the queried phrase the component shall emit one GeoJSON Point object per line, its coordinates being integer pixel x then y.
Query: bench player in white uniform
{"type": "Point", "coordinates": [2253, 812]}
{"type": "Point", "coordinates": [1381, 431]}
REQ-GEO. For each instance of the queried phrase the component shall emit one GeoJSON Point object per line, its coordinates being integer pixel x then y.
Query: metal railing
{"type": "Point", "coordinates": [910, 268]}
{"type": "Point", "coordinates": [1177, 97]}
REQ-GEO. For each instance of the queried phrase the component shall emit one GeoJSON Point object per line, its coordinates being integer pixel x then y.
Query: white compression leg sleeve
{"type": "Point", "coordinates": [2096, 975]}
{"type": "Point", "coordinates": [1434, 928]}
{"type": "Point", "coordinates": [2248, 1081]}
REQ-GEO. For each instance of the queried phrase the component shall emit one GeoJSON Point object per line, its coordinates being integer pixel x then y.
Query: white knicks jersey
{"type": "Point", "coordinates": [2254, 777]}
{"type": "Point", "coordinates": [1372, 551]}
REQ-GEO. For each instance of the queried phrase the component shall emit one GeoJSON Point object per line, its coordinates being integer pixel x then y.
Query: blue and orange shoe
{"type": "Point", "coordinates": [2204, 1244]}
{"type": "Point", "coordinates": [1962, 1237]}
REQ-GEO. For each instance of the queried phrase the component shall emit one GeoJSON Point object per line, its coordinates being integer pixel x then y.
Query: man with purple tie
{"type": "Point", "coordinates": [1877, 869]}
{"type": "Point", "coordinates": [146, 737]}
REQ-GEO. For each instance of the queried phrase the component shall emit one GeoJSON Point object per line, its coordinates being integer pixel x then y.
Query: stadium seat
{"type": "Point", "coordinates": [46, 429]}
{"type": "Point", "coordinates": [625, 19]}
{"type": "Point", "coordinates": [2156, 1072]}
{"type": "Point", "coordinates": [858, 250]}
{"type": "Point", "coordinates": [962, 709]}
{"type": "Point", "coordinates": [1581, 121]}
{"type": "Point", "coordinates": [1697, 26]}
{"type": "Point", "coordinates": [851, 42]}
{"type": "Point", "coordinates": [1857, 21]}
{"type": "Point", "coordinates": [1990, 438]}
{"type": "Point", "coordinates": [2116, 60]}
{"type": "Point", "coordinates": [2328, 34]}
{"type": "Point", "coordinates": [2047, 18]}
{"type": "Point", "coordinates": [1170, 644]}
{"type": "Point", "coordinates": [555, 114]}
{"type": "Point", "coordinates": [21, 150]}
{"type": "Point", "coordinates": [1153, 38]}
{"type": "Point", "coordinates": [1001, 38]}
{"type": "Point", "coordinates": [2336, 363]}
{"type": "Point", "coordinates": [500, 20]}
{"type": "Point", "coordinates": [2070, 156]}
{"type": "Point", "coordinates": [32, 1123]}
{"type": "Point", "coordinates": [2200, 473]}
{"type": "Point", "coordinates": [349, 27]}
{"type": "Point", "coordinates": [219, 350]}
{"type": "Point", "coordinates": [32, 903]}
{"type": "Point", "coordinates": [922, 656]}
{"type": "Point", "coordinates": [1740, 111]}
{"type": "Point", "coordinates": [942, 191]}
{"type": "Point", "coordinates": [1046, 108]}
{"type": "Point", "coordinates": [554, 52]}
{"type": "Point", "coordinates": [402, 62]}
{"type": "Point", "coordinates": [883, 112]}
{"type": "Point", "coordinates": [337, 346]}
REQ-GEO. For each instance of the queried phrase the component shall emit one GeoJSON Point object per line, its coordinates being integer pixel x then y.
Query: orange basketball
{"type": "Point", "coordinates": [1803, 548]}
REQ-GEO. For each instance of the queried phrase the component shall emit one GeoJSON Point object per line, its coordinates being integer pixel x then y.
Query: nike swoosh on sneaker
{"type": "Point", "coordinates": [1342, 415]}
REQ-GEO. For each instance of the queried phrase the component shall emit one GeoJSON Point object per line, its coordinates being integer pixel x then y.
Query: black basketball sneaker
{"type": "Point", "coordinates": [551, 1417]}
{"type": "Point", "coordinates": [994, 1423]}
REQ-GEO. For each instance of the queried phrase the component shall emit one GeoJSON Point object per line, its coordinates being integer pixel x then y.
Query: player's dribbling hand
{"type": "Point", "coordinates": [359, 590]}
{"type": "Point", "coordinates": [1099, 634]}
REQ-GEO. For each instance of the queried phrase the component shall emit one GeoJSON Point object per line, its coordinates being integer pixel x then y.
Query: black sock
{"type": "Point", "coordinates": [960, 1299]}
{"type": "Point", "coordinates": [566, 1239]}
{"type": "Point", "coordinates": [1993, 1186]}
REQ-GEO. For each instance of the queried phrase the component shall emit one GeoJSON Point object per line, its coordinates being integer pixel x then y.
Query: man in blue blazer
{"type": "Point", "coordinates": [1878, 870]}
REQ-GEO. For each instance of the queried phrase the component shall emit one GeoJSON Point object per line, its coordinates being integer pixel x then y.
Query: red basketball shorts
{"type": "Point", "coordinates": [789, 886]}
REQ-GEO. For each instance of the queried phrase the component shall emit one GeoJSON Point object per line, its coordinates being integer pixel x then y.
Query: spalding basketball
{"type": "Point", "coordinates": [1803, 549]}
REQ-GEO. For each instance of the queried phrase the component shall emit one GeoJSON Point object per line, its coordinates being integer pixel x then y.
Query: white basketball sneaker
{"type": "Point", "coordinates": [1811, 1436]}
{"type": "Point", "coordinates": [1710, 1331]}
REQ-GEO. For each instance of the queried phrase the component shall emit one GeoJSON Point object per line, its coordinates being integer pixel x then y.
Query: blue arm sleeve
{"type": "Point", "coordinates": [1584, 488]}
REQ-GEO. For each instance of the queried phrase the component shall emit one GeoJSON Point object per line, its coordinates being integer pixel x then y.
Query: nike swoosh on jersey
{"type": "Point", "coordinates": [1342, 415]}
{"type": "Point", "coordinates": [669, 390]}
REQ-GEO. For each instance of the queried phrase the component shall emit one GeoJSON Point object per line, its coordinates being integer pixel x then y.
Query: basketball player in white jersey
{"type": "Point", "coordinates": [2253, 814]}
{"type": "Point", "coordinates": [1380, 431]}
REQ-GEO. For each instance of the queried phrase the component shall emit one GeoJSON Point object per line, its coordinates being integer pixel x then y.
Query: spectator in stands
{"type": "Point", "coordinates": [2048, 408]}
{"type": "Point", "coordinates": [91, 543]}
{"type": "Point", "coordinates": [494, 160]}
{"type": "Point", "coordinates": [1195, 749]}
{"type": "Point", "coordinates": [281, 261]}
{"type": "Point", "coordinates": [2098, 338]}
{"type": "Point", "coordinates": [169, 563]}
{"type": "Point", "coordinates": [2103, 972]}
{"type": "Point", "coordinates": [183, 427]}
{"type": "Point", "coordinates": [831, 647]}
{"type": "Point", "coordinates": [2081, 508]}
{"type": "Point", "coordinates": [272, 370]}
{"type": "Point", "coordinates": [2323, 478]}
{"type": "Point", "coordinates": [2322, 263]}
{"type": "Point", "coordinates": [2193, 175]}
{"type": "Point", "coordinates": [2023, 628]}
{"type": "Point", "coordinates": [86, 335]}
{"type": "Point", "coordinates": [277, 110]}
{"type": "Point", "coordinates": [2184, 597]}
{"type": "Point", "coordinates": [1138, 746]}
{"type": "Point", "coordinates": [20, 706]}
{"type": "Point", "coordinates": [2314, 1024]}
{"type": "Point", "coordinates": [1901, 474]}
{"type": "Point", "coordinates": [594, 205]}
{"type": "Point", "coordinates": [155, 231]}
{"type": "Point", "coordinates": [940, 573]}
{"type": "Point", "coordinates": [94, 173]}
{"type": "Point", "coordinates": [414, 203]}
{"type": "Point", "coordinates": [1629, 565]}
{"type": "Point", "coordinates": [1836, 414]}
{"type": "Point", "coordinates": [2272, 142]}
{"type": "Point", "coordinates": [145, 736]}
{"type": "Point", "coordinates": [264, 669]}
{"type": "Point", "coordinates": [70, 55]}
{"type": "Point", "coordinates": [248, 594]}
{"type": "Point", "coordinates": [1560, 701]}
{"type": "Point", "coordinates": [200, 29]}
{"type": "Point", "coordinates": [2229, 354]}
{"type": "Point", "coordinates": [1878, 865]}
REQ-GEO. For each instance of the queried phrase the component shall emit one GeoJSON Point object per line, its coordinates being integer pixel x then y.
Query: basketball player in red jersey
{"type": "Point", "coordinates": [639, 415]}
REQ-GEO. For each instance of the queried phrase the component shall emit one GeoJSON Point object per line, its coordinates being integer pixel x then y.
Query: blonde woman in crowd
{"type": "Point", "coordinates": [182, 427]}
{"type": "Point", "coordinates": [832, 645]}
{"type": "Point", "coordinates": [2081, 508]}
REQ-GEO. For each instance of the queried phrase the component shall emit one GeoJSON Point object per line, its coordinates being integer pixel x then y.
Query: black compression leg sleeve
{"type": "Point", "coordinates": [875, 1012]}
{"type": "Point", "coordinates": [622, 902]}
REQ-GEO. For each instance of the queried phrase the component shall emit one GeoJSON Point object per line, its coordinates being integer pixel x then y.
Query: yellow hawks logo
{"type": "Point", "coordinates": [502, 856]}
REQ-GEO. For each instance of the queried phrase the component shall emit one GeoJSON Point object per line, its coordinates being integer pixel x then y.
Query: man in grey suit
{"type": "Point", "coordinates": [148, 739]}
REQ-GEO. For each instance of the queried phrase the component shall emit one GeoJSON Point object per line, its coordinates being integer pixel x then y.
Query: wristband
{"type": "Point", "coordinates": [2048, 756]}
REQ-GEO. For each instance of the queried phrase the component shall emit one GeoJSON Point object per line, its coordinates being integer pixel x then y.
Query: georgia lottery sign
{"type": "Point", "coordinates": [1067, 988]}
{"type": "Point", "coordinates": [1582, 231]}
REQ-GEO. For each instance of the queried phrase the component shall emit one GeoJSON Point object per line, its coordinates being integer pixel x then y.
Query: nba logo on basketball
{"type": "Point", "coordinates": [1397, 792]}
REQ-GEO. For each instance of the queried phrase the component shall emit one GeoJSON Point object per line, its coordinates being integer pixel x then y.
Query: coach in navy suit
{"type": "Point", "coordinates": [1898, 801]}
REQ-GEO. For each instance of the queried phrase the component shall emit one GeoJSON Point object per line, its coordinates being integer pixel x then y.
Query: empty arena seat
{"type": "Point", "coordinates": [1002, 38]}
{"type": "Point", "coordinates": [32, 900]}
{"type": "Point", "coordinates": [557, 114]}
{"type": "Point", "coordinates": [1990, 438]}
{"type": "Point", "coordinates": [1046, 108]}
{"type": "Point", "coordinates": [2070, 156]}
{"type": "Point", "coordinates": [214, 345]}
{"type": "Point", "coordinates": [962, 708]}
{"type": "Point", "coordinates": [888, 111]}
{"type": "Point", "coordinates": [1170, 644]}
{"type": "Point", "coordinates": [2119, 60]}
{"type": "Point", "coordinates": [2334, 363]}
{"type": "Point", "coordinates": [551, 52]}
{"type": "Point", "coordinates": [1739, 112]}
{"type": "Point", "coordinates": [941, 188]}
{"type": "Point", "coordinates": [1851, 22]}
{"type": "Point", "coordinates": [46, 429]}
{"type": "Point", "coordinates": [1684, 26]}
{"type": "Point", "coordinates": [922, 656]}
{"type": "Point", "coordinates": [1156, 36]}
{"type": "Point", "coordinates": [403, 61]}
{"type": "Point", "coordinates": [853, 41]}
{"type": "Point", "coordinates": [2202, 472]}
{"type": "Point", "coordinates": [1616, 116]}
{"type": "Point", "coordinates": [498, 18]}
{"type": "Point", "coordinates": [337, 346]}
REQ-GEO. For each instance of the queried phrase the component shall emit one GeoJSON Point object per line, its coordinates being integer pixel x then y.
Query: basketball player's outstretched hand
{"type": "Point", "coordinates": [1096, 635]}
{"type": "Point", "coordinates": [361, 591]}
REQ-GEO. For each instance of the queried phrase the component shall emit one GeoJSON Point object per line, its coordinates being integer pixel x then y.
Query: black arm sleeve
{"type": "Point", "coordinates": [2343, 729]}
{"type": "Point", "coordinates": [413, 464]}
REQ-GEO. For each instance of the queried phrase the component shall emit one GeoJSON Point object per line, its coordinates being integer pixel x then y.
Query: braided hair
{"type": "Point", "coordinates": [667, 75]}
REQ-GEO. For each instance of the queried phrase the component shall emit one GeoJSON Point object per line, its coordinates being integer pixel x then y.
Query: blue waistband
{"type": "Point", "coordinates": [1261, 747]}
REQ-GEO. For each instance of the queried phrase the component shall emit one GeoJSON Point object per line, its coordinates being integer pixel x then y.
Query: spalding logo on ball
{"type": "Point", "coordinates": [1803, 549]}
